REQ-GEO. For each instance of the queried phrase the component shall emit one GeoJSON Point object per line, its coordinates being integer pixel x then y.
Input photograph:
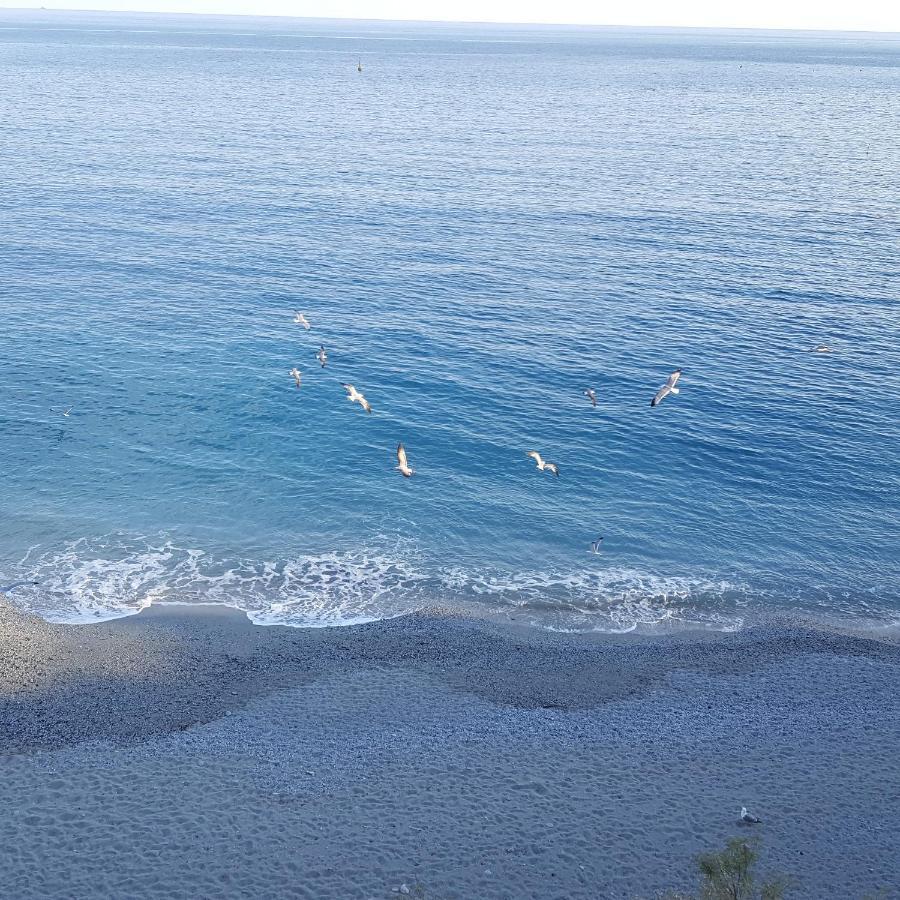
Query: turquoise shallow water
{"type": "Point", "coordinates": [482, 224]}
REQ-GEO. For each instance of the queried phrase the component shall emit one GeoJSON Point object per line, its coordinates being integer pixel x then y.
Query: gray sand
{"type": "Point", "coordinates": [187, 753]}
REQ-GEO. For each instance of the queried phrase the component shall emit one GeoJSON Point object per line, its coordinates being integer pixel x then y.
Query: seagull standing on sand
{"type": "Point", "coordinates": [591, 394]}
{"type": "Point", "coordinates": [354, 396]}
{"type": "Point", "coordinates": [542, 465]}
{"type": "Point", "coordinates": [296, 374]}
{"type": "Point", "coordinates": [667, 388]}
{"type": "Point", "coordinates": [402, 462]}
{"type": "Point", "coordinates": [322, 357]}
{"type": "Point", "coordinates": [300, 319]}
{"type": "Point", "coordinates": [747, 819]}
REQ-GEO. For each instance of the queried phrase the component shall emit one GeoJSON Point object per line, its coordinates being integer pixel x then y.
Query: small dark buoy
{"type": "Point", "coordinates": [359, 66]}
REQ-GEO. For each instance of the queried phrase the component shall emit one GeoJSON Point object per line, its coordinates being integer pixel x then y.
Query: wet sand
{"type": "Point", "coordinates": [185, 752]}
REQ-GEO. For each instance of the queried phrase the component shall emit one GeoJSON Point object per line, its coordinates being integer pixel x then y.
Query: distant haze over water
{"type": "Point", "coordinates": [479, 226]}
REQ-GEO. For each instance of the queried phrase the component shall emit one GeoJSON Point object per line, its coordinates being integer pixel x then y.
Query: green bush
{"type": "Point", "coordinates": [728, 875]}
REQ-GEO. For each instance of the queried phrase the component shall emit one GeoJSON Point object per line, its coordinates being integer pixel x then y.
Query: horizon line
{"type": "Point", "coordinates": [474, 22]}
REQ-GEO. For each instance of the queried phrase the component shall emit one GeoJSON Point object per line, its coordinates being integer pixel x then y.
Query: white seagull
{"type": "Point", "coordinates": [322, 356]}
{"type": "Point", "coordinates": [65, 412]}
{"type": "Point", "coordinates": [595, 545]}
{"type": "Point", "coordinates": [402, 463]}
{"type": "Point", "coordinates": [354, 396]}
{"type": "Point", "coordinates": [747, 819]}
{"type": "Point", "coordinates": [542, 465]}
{"type": "Point", "coordinates": [591, 394]}
{"type": "Point", "coordinates": [821, 348]}
{"type": "Point", "coordinates": [296, 374]}
{"type": "Point", "coordinates": [300, 319]}
{"type": "Point", "coordinates": [667, 388]}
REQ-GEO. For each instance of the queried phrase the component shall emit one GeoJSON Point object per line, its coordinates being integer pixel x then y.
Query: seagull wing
{"type": "Point", "coordinates": [673, 378]}
{"type": "Point", "coordinates": [554, 468]}
{"type": "Point", "coordinates": [354, 396]}
{"type": "Point", "coordinates": [662, 393]}
{"type": "Point", "coordinates": [536, 457]}
{"type": "Point", "coordinates": [401, 457]}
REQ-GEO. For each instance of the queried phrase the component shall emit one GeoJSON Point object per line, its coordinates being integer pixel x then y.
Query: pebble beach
{"type": "Point", "coordinates": [184, 752]}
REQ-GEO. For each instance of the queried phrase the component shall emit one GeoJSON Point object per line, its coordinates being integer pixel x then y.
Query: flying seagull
{"type": "Point", "coordinates": [322, 356]}
{"type": "Point", "coordinates": [296, 374]}
{"type": "Point", "coordinates": [747, 819]}
{"type": "Point", "coordinates": [300, 319]}
{"type": "Point", "coordinates": [591, 394]}
{"type": "Point", "coordinates": [65, 412]}
{"type": "Point", "coordinates": [542, 465]}
{"type": "Point", "coordinates": [354, 396]}
{"type": "Point", "coordinates": [821, 348]}
{"type": "Point", "coordinates": [596, 545]}
{"type": "Point", "coordinates": [402, 463]}
{"type": "Point", "coordinates": [667, 388]}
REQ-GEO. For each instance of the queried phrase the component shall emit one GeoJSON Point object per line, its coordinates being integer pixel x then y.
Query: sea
{"type": "Point", "coordinates": [480, 225]}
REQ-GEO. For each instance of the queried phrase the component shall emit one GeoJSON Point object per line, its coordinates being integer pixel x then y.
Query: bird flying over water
{"type": "Point", "coordinates": [667, 388]}
{"type": "Point", "coordinates": [300, 319]}
{"type": "Point", "coordinates": [542, 464]}
{"type": "Point", "coordinates": [322, 356]}
{"type": "Point", "coordinates": [747, 819]}
{"type": "Point", "coordinates": [591, 394]}
{"type": "Point", "coordinates": [402, 462]}
{"type": "Point", "coordinates": [821, 348]}
{"type": "Point", "coordinates": [65, 412]}
{"type": "Point", "coordinates": [596, 545]}
{"type": "Point", "coordinates": [354, 396]}
{"type": "Point", "coordinates": [296, 374]}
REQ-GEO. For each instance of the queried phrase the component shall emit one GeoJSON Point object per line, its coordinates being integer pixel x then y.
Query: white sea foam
{"type": "Point", "coordinates": [613, 599]}
{"type": "Point", "coordinates": [118, 575]}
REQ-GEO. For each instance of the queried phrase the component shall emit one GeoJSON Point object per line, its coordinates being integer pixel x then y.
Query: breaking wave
{"type": "Point", "coordinates": [90, 580]}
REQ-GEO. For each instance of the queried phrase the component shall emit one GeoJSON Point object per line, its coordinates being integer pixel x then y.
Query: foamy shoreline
{"type": "Point", "coordinates": [186, 752]}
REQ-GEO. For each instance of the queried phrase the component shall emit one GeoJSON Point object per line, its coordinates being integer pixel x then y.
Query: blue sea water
{"type": "Point", "coordinates": [480, 225]}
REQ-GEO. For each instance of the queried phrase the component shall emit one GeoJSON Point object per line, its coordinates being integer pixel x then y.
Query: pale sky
{"type": "Point", "coordinates": [865, 15]}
